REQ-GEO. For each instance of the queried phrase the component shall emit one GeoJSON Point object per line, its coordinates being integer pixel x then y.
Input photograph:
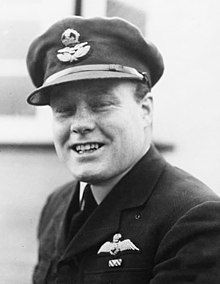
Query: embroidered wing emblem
{"type": "Point", "coordinates": [73, 50]}
{"type": "Point", "coordinates": [116, 245]}
{"type": "Point", "coordinates": [107, 247]}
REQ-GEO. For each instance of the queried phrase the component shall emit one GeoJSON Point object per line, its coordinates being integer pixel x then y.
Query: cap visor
{"type": "Point", "coordinates": [39, 97]}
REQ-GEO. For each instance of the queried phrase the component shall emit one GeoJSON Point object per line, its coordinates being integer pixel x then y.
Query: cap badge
{"type": "Point", "coordinates": [117, 246]}
{"type": "Point", "coordinates": [74, 49]}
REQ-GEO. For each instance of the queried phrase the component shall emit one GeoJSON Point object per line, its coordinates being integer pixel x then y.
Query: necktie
{"type": "Point", "coordinates": [88, 205]}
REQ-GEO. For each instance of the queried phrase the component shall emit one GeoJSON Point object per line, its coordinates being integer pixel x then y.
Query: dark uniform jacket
{"type": "Point", "coordinates": [170, 219]}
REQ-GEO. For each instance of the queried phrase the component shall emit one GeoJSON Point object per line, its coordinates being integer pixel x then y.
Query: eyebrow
{"type": "Point", "coordinates": [105, 96]}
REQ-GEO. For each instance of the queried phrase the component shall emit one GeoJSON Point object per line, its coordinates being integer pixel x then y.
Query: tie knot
{"type": "Point", "coordinates": [88, 203]}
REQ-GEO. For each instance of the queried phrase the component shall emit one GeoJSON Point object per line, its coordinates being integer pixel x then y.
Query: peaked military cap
{"type": "Point", "coordinates": [78, 48]}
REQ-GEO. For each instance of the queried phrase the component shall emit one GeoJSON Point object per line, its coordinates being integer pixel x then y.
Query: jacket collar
{"type": "Point", "coordinates": [132, 191]}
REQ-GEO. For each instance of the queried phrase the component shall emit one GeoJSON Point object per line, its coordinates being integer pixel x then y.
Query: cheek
{"type": "Point", "coordinates": [133, 133]}
{"type": "Point", "coordinates": [134, 124]}
{"type": "Point", "coordinates": [127, 131]}
{"type": "Point", "coordinates": [60, 132]}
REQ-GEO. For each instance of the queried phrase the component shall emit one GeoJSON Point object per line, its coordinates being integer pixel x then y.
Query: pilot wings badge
{"type": "Point", "coordinates": [117, 246]}
{"type": "Point", "coordinates": [74, 49]}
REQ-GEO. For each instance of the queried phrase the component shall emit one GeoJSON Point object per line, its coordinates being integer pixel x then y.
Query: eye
{"type": "Point", "coordinates": [101, 105]}
{"type": "Point", "coordinates": [63, 111]}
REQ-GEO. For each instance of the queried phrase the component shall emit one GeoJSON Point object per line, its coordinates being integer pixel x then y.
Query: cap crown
{"type": "Point", "coordinates": [96, 41]}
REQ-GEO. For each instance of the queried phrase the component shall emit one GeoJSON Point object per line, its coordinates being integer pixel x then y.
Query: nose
{"type": "Point", "coordinates": [83, 121]}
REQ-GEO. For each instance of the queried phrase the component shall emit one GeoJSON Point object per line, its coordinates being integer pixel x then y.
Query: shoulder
{"type": "Point", "coordinates": [175, 194]}
{"type": "Point", "coordinates": [188, 225]}
{"type": "Point", "coordinates": [62, 193]}
{"type": "Point", "coordinates": [185, 188]}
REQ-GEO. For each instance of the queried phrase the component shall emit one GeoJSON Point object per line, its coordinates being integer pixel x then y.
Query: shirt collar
{"type": "Point", "coordinates": [82, 186]}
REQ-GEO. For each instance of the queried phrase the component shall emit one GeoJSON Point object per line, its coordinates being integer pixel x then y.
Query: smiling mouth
{"type": "Point", "coordinates": [86, 147]}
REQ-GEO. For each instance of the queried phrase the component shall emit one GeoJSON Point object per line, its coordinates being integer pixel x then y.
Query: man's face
{"type": "Point", "coordinates": [99, 128]}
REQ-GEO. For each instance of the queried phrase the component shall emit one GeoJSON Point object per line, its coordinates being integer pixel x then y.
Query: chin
{"type": "Point", "coordinates": [89, 176]}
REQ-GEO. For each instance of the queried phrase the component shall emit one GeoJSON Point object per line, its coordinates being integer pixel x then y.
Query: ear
{"type": "Point", "coordinates": [147, 110]}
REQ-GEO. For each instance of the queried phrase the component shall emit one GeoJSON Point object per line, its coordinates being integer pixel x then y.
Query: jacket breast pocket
{"type": "Point", "coordinates": [120, 276]}
{"type": "Point", "coordinates": [130, 267]}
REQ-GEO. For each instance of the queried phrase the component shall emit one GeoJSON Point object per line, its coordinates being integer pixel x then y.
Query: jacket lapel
{"type": "Point", "coordinates": [61, 219]}
{"type": "Point", "coordinates": [132, 191]}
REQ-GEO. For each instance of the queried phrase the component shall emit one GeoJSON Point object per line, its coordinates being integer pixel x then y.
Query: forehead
{"type": "Point", "coordinates": [91, 90]}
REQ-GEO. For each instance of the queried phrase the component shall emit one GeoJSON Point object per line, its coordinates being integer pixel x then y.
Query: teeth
{"type": "Point", "coordinates": [78, 148]}
{"type": "Point", "coordinates": [87, 147]}
{"type": "Point", "coordinates": [81, 148]}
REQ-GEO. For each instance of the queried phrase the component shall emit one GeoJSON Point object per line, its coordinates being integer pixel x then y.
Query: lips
{"type": "Point", "coordinates": [82, 148]}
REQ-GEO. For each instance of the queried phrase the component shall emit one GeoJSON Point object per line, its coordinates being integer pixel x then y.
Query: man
{"type": "Point", "coordinates": [138, 219]}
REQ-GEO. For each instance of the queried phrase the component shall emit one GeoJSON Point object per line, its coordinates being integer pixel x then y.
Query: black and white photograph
{"type": "Point", "coordinates": [109, 142]}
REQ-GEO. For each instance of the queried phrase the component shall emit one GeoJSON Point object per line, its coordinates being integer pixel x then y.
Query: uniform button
{"type": "Point", "coordinates": [138, 216]}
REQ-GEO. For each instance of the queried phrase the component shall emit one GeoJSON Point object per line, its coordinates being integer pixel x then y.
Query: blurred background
{"type": "Point", "coordinates": [186, 119]}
